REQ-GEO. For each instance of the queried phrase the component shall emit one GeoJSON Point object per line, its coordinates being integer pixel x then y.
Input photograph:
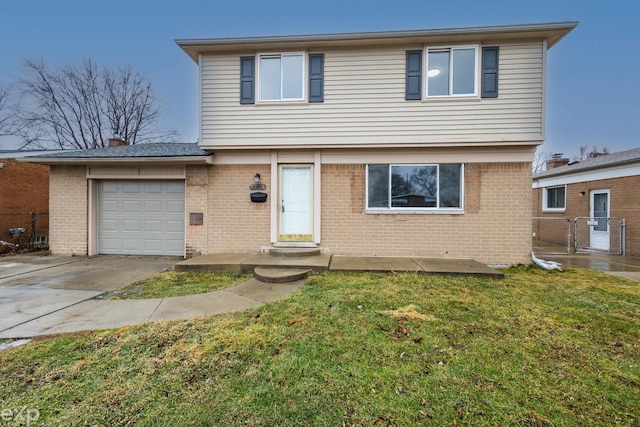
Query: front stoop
{"type": "Point", "coordinates": [279, 275]}
{"type": "Point", "coordinates": [293, 252]}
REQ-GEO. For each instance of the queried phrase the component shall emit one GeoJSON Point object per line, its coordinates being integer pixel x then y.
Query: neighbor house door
{"type": "Point", "coordinates": [599, 233]}
{"type": "Point", "coordinates": [296, 203]}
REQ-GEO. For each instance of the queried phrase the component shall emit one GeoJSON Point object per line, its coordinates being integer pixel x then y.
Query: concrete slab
{"type": "Point", "coordinates": [456, 266]}
{"type": "Point", "coordinates": [21, 304]}
{"type": "Point", "coordinates": [211, 263]}
{"type": "Point", "coordinates": [102, 273]}
{"type": "Point", "coordinates": [633, 275]}
{"type": "Point", "coordinates": [88, 315]}
{"type": "Point", "coordinates": [15, 265]}
{"type": "Point", "coordinates": [372, 263]}
{"type": "Point", "coordinates": [316, 263]}
{"type": "Point", "coordinates": [202, 305]}
{"type": "Point", "coordinates": [261, 291]}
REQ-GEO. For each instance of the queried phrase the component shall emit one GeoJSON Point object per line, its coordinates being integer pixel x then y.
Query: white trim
{"type": "Point", "coordinates": [200, 97]}
{"type": "Point", "coordinates": [92, 217]}
{"type": "Point", "coordinates": [317, 199]}
{"type": "Point", "coordinates": [451, 48]}
{"type": "Point", "coordinates": [588, 175]}
{"type": "Point", "coordinates": [545, 200]}
{"type": "Point", "coordinates": [303, 54]}
{"type": "Point", "coordinates": [275, 196]}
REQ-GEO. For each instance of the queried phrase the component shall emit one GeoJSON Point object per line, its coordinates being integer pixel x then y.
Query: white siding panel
{"type": "Point", "coordinates": [364, 104]}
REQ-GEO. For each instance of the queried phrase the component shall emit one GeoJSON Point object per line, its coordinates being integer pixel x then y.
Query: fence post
{"type": "Point", "coordinates": [33, 228]}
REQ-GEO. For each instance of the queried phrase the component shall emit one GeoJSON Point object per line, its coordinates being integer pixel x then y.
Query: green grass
{"type": "Point", "coordinates": [172, 284]}
{"type": "Point", "coordinates": [538, 348]}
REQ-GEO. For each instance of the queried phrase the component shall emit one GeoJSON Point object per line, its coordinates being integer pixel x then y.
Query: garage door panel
{"type": "Point", "coordinates": [175, 226]}
{"type": "Point", "coordinates": [153, 206]}
{"type": "Point", "coordinates": [131, 206]}
{"type": "Point", "coordinates": [130, 187]}
{"type": "Point", "coordinates": [141, 217]}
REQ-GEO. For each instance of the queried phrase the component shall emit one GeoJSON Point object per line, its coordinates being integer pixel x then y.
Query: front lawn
{"type": "Point", "coordinates": [538, 348]}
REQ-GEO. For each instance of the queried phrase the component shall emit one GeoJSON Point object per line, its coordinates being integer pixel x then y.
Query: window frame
{"type": "Point", "coordinates": [476, 71]}
{"type": "Point", "coordinates": [545, 198]}
{"type": "Point", "coordinates": [413, 209]}
{"type": "Point", "coordinates": [303, 77]}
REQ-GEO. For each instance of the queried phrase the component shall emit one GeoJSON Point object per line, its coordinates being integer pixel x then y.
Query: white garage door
{"type": "Point", "coordinates": [141, 217]}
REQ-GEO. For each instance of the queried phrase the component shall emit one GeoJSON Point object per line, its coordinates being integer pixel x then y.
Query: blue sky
{"type": "Point", "coordinates": [593, 95]}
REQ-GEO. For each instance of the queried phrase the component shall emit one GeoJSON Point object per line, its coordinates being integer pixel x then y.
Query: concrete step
{"type": "Point", "coordinates": [279, 275]}
{"type": "Point", "coordinates": [294, 252]}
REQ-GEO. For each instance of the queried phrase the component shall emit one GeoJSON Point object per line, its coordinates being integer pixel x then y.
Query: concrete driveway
{"type": "Point", "coordinates": [34, 286]}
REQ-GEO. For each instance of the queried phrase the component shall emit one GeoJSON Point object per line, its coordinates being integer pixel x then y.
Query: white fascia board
{"type": "Point", "coordinates": [590, 175]}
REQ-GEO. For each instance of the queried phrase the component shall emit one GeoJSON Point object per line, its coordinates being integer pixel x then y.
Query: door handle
{"type": "Point", "coordinates": [282, 204]}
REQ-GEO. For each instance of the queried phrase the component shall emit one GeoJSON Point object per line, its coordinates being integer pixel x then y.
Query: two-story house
{"type": "Point", "coordinates": [386, 143]}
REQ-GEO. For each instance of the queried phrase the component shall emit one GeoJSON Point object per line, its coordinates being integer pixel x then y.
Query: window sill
{"type": "Point", "coordinates": [460, 98]}
{"type": "Point", "coordinates": [413, 212]}
{"type": "Point", "coordinates": [547, 210]}
{"type": "Point", "coordinates": [285, 102]}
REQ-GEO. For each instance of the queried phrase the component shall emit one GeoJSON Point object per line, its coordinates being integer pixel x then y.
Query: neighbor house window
{"type": "Point", "coordinates": [554, 198]}
{"type": "Point", "coordinates": [452, 71]}
{"type": "Point", "coordinates": [414, 186]}
{"type": "Point", "coordinates": [281, 77]}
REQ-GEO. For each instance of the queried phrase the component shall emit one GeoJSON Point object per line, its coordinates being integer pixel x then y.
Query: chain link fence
{"type": "Point", "coordinates": [551, 235]}
{"type": "Point", "coordinates": [24, 232]}
{"type": "Point", "coordinates": [600, 234]}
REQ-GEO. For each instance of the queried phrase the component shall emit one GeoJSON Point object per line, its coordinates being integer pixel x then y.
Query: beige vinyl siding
{"type": "Point", "coordinates": [364, 104]}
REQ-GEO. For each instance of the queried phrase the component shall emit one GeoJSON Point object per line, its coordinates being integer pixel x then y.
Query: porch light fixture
{"type": "Point", "coordinates": [256, 178]}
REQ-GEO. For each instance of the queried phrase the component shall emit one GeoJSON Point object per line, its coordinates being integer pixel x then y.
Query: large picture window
{"type": "Point", "coordinates": [554, 198]}
{"type": "Point", "coordinates": [414, 186]}
{"type": "Point", "coordinates": [281, 77]}
{"type": "Point", "coordinates": [452, 71]}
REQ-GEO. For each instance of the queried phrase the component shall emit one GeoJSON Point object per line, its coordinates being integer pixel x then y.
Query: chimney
{"type": "Point", "coordinates": [116, 142]}
{"type": "Point", "coordinates": [556, 161]}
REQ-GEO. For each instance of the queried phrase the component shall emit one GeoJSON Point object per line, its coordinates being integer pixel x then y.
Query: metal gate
{"type": "Point", "coordinates": [551, 235]}
{"type": "Point", "coordinates": [599, 235]}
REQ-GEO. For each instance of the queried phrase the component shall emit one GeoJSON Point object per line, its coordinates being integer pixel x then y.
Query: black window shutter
{"type": "Point", "coordinates": [316, 77]}
{"type": "Point", "coordinates": [247, 79]}
{"type": "Point", "coordinates": [490, 71]}
{"type": "Point", "coordinates": [413, 85]}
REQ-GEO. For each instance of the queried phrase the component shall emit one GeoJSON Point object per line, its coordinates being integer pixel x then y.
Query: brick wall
{"type": "Point", "coordinates": [24, 188]}
{"type": "Point", "coordinates": [495, 228]}
{"type": "Point", "coordinates": [196, 191]}
{"type": "Point", "coordinates": [235, 223]}
{"type": "Point", "coordinates": [68, 210]}
{"type": "Point", "coordinates": [624, 203]}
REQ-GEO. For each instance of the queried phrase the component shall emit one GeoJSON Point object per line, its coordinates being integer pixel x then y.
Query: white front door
{"type": "Point", "coordinates": [599, 212]}
{"type": "Point", "coordinates": [296, 203]}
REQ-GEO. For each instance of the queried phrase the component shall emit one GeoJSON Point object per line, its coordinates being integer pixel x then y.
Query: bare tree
{"type": "Point", "coordinates": [4, 113]}
{"type": "Point", "coordinates": [540, 161]}
{"type": "Point", "coordinates": [590, 153]}
{"type": "Point", "coordinates": [82, 107]}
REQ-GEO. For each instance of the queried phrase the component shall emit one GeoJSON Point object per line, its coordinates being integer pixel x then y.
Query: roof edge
{"type": "Point", "coordinates": [194, 46]}
{"type": "Point", "coordinates": [97, 160]}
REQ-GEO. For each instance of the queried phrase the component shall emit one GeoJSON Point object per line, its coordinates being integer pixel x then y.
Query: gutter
{"type": "Point", "coordinates": [190, 160]}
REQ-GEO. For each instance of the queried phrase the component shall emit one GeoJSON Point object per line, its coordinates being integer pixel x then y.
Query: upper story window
{"type": "Point", "coordinates": [281, 77]}
{"type": "Point", "coordinates": [428, 187]}
{"type": "Point", "coordinates": [277, 77]}
{"type": "Point", "coordinates": [554, 198]}
{"type": "Point", "coordinates": [452, 71]}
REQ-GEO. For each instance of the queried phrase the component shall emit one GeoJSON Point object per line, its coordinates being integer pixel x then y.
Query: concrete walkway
{"type": "Point", "coordinates": [92, 314]}
{"type": "Point", "coordinates": [51, 295]}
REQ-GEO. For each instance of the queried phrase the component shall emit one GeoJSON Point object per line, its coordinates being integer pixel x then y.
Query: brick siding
{"type": "Point", "coordinates": [68, 210]}
{"type": "Point", "coordinates": [624, 204]}
{"type": "Point", "coordinates": [24, 188]}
